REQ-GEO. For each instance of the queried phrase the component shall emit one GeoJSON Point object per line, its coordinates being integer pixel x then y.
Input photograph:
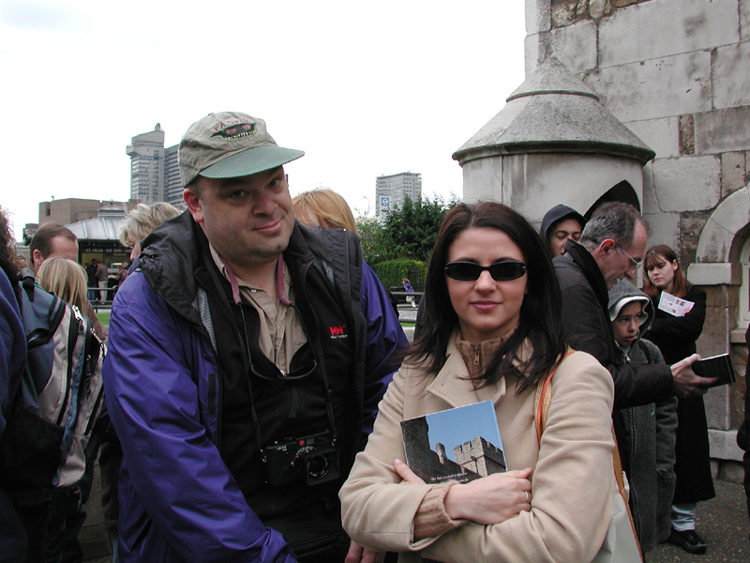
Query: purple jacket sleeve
{"type": "Point", "coordinates": [384, 337]}
{"type": "Point", "coordinates": [12, 358]}
{"type": "Point", "coordinates": [12, 347]}
{"type": "Point", "coordinates": [178, 499]}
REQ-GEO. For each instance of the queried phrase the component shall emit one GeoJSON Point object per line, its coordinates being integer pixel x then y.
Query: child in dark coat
{"type": "Point", "coordinates": [650, 428]}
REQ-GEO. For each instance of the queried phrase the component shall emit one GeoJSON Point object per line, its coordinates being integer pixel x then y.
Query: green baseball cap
{"type": "Point", "coordinates": [227, 145]}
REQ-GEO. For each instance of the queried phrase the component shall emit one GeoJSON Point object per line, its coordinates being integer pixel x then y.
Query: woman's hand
{"type": "Point", "coordinates": [489, 500]}
{"type": "Point", "coordinates": [405, 472]}
{"type": "Point", "coordinates": [492, 499]}
{"type": "Point", "coordinates": [359, 554]}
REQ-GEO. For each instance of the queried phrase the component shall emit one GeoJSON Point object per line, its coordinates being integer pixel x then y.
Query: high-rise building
{"type": "Point", "coordinates": [172, 182]}
{"type": "Point", "coordinates": [154, 174]}
{"type": "Point", "coordinates": [390, 191]}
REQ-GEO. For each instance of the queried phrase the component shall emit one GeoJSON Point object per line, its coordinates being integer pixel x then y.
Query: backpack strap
{"type": "Point", "coordinates": [28, 280]}
{"type": "Point", "coordinates": [542, 400]}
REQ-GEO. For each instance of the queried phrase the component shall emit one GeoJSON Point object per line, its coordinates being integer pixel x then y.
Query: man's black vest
{"type": "Point", "coordinates": [285, 409]}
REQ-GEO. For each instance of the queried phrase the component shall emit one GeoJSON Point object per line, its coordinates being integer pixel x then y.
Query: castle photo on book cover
{"type": "Point", "coordinates": [459, 444]}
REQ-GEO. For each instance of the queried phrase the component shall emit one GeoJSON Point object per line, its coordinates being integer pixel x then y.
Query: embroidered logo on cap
{"type": "Point", "coordinates": [338, 331]}
{"type": "Point", "coordinates": [237, 131]}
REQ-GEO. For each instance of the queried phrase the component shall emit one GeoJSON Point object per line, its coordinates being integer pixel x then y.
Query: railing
{"type": "Point", "coordinates": [402, 295]}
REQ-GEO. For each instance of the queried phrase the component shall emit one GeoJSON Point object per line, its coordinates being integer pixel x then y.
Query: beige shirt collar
{"type": "Point", "coordinates": [281, 332]}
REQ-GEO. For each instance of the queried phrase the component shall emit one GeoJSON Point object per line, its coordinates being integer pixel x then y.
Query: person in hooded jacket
{"type": "Point", "coordinates": [560, 224]}
{"type": "Point", "coordinates": [650, 428]}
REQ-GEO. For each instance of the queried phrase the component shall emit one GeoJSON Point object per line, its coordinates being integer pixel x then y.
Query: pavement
{"type": "Point", "coordinates": [723, 523]}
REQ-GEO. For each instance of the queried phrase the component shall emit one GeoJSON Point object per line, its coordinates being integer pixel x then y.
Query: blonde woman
{"type": "Point", "coordinates": [67, 280]}
{"type": "Point", "coordinates": [322, 207]}
{"type": "Point", "coordinates": [141, 220]}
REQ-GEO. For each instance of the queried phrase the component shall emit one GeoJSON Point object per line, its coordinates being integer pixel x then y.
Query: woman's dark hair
{"type": "Point", "coordinates": [7, 242]}
{"type": "Point", "coordinates": [540, 319]}
{"type": "Point", "coordinates": [654, 256]}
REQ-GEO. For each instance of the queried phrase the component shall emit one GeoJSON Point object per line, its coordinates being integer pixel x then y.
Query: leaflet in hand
{"type": "Point", "coordinates": [674, 305]}
{"type": "Point", "coordinates": [716, 366]}
{"type": "Point", "coordinates": [460, 444]}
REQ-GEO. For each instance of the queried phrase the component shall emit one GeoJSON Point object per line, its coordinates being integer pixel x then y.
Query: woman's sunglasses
{"type": "Point", "coordinates": [500, 271]}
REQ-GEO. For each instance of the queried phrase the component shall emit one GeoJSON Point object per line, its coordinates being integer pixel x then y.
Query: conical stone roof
{"type": "Point", "coordinates": [554, 112]}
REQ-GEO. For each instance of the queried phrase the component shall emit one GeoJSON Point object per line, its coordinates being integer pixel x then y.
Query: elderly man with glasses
{"type": "Point", "coordinates": [611, 247]}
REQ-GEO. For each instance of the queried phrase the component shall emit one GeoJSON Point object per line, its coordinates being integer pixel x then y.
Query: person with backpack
{"type": "Point", "coordinates": [12, 360]}
{"type": "Point", "coordinates": [49, 443]}
{"type": "Point", "coordinates": [67, 279]}
{"type": "Point", "coordinates": [248, 354]}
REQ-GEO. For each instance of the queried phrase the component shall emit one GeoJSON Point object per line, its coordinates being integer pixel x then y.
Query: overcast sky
{"type": "Point", "coordinates": [363, 88]}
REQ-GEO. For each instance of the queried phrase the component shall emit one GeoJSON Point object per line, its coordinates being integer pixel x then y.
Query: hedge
{"type": "Point", "coordinates": [391, 272]}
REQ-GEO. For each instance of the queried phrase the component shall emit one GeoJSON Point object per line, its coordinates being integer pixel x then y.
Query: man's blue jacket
{"type": "Point", "coordinates": [178, 500]}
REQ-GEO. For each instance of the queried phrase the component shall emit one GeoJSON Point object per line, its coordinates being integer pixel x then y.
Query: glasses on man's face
{"type": "Point", "coordinates": [500, 271]}
{"type": "Point", "coordinates": [634, 264]}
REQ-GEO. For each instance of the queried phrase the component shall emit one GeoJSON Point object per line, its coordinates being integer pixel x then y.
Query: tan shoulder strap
{"type": "Point", "coordinates": [542, 399]}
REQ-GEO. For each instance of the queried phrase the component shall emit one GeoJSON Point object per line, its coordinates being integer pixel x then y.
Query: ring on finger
{"type": "Point", "coordinates": [528, 497]}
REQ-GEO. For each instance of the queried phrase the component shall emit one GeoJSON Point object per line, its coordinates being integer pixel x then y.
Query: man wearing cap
{"type": "Point", "coordinates": [247, 356]}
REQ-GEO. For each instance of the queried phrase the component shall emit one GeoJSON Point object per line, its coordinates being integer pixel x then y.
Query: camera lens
{"type": "Point", "coordinates": [317, 466]}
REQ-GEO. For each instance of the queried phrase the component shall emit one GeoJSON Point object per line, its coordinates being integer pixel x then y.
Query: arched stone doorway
{"type": "Point", "coordinates": [722, 268]}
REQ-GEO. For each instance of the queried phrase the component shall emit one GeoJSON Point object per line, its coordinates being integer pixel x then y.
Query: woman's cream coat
{"type": "Point", "coordinates": [572, 482]}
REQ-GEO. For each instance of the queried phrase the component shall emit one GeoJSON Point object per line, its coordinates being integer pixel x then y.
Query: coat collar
{"type": "Point", "coordinates": [590, 269]}
{"type": "Point", "coordinates": [452, 383]}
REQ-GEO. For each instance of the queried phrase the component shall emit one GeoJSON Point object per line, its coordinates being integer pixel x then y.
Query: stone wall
{"type": "Point", "coordinates": [568, 12]}
{"type": "Point", "coordinates": [677, 73]}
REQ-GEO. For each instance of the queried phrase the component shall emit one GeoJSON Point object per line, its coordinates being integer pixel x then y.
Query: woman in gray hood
{"type": "Point", "coordinates": [650, 428]}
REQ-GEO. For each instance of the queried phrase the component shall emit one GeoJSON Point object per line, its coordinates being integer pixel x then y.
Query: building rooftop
{"type": "Point", "coordinates": [553, 111]}
{"type": "Point", "coordinates": [104, 227]}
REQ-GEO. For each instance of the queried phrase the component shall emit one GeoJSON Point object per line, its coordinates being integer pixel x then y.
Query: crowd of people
{"type": "Point", "coordinates": [256, 378]}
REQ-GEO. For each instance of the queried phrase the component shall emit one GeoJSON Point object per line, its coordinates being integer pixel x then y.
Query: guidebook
{"type": "Point", "coordinates": [716, 366]}
{"type": "Point", "coordinates": [459, 444]}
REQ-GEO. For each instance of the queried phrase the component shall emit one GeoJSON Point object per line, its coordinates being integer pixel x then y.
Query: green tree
{"type": "Point", "coordinates": [410, 232]}
{"type": "Point", "coordinates": [369, 231]}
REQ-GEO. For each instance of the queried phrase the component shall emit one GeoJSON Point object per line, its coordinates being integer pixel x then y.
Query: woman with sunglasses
{"type": "Point", "coordinates": [676, 336]}
{"type": "Point", "coordinates": [492, 331]}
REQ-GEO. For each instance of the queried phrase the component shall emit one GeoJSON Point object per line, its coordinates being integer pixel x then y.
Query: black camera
{"type": "Point", "coordinates": [312, 457]}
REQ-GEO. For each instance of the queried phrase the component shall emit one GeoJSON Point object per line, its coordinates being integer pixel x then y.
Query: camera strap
{"type": "Point", "coordinates": [236, 297]}
{"type": "Point", "coordinates": [247, 359]}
